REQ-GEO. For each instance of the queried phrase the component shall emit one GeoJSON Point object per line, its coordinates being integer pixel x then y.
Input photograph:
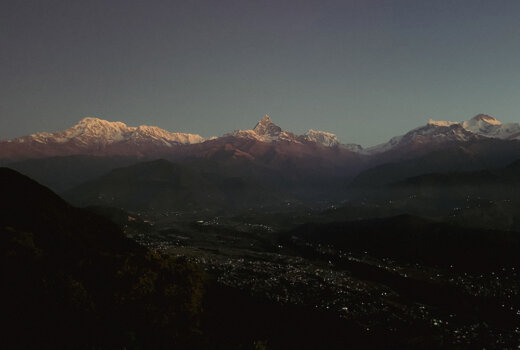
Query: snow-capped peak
{"type": "Point", "coordinates": [322, 137]}
{"type": "Point", "coordinates": [485, 125]}
{"type": "Point", "coordinates": [265, 127]}
{"type": "Point", "coordinates": [486, 119]}
{"type": "Point", "coordinates": [162, 135]}
{"type": "Point", "coordinates": [265, 130]}
{"type": "Point", "coordinates": [95, 128]}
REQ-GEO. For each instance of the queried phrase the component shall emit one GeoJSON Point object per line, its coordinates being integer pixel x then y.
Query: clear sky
{"type": "Point", "coordinates": [366, 70]}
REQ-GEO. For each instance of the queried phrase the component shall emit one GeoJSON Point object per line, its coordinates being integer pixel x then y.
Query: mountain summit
{"type": "Point", "coordinates": [265, 127]}
{"type": "Point", "coordinates": [486, 125]}
{"type": "Point", "coordinates": [265, 131]}
{"type": "Point", "coordinates": [485, 118]}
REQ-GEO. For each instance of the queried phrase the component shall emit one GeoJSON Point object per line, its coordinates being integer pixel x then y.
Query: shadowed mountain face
{"type": "Point", "coordinates": [475, 155]}
{"type": "Point", "coordinates": [162, 185]}
{"type": "Point", "coordinates": [70, 279]}
{"type": "Point", "coordinates": [63, 173]}
{"type": "Point", "coordinates": [231, 174]}
{"type": "Point", "coordinates": [488, 198]}
{"type": "Point", "coordinates": [508, 176]}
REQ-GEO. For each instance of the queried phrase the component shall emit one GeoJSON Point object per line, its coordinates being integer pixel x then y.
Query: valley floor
{"type": "Point", "coordinates": [265, 290]}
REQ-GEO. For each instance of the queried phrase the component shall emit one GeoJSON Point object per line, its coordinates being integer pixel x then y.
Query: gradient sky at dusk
{"type": "Point", "coordinates": [366, 70]}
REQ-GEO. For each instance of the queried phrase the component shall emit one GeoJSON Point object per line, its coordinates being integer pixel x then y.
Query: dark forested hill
{"type": "Point", "coordinates": [70, 279]}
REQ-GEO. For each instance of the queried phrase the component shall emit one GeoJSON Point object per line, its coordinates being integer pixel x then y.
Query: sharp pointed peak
{"type": "Point", "coordinates": [265, 120]}
{"type": "Point", "coordinates": [266, 126]}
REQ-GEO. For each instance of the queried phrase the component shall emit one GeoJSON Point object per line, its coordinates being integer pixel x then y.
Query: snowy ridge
{"type": "Point", "coordinates": [486, 125]}
{"type": "Point", "coordinates": [431, 133]}
{"type": "Point", "coordinates": [322, 137]}
{"type": "Point", "coordinates": [96, 136]}
{"type": "Point", "coordinates": [266, 131]}
{"type": "Point", "coordinates": [92, 130]}
{"type": "Point", "coordinates": [437, 131]}
{"type": "Point", "coordinates": [441, 122]}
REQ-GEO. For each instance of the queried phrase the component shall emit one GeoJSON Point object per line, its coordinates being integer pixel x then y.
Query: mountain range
{"type": "Point", "coordinates": [95, 136]}
{"type": "Point", "coordinates": [96, 163]}
{"type": "Point", "coordinates": [479, 127]}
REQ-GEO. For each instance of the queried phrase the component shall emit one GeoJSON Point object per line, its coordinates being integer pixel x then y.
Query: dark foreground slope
{"type": "Point", "coordinates": [70, 279]}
